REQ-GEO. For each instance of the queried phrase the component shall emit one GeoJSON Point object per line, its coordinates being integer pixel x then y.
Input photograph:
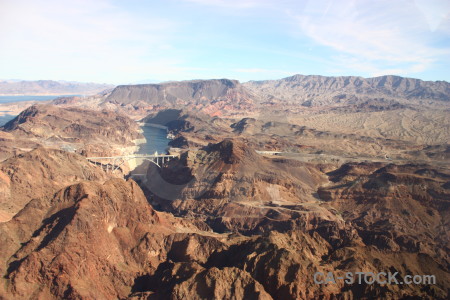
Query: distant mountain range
{"type": "Point", "coordinates": [273, 186]}
{"type": "Point", "coordinates": [50, 87]}
{"type": "Point", "coordinates": [307, 90]}
{"type": "Point", "coordinates": [314, 90]}
{"type": "Point", "coordinates": [311, 90]}
{"type": "Point", "coordinates": [219, 96]}
{"type": "Point", "coordinates": [211, 96]}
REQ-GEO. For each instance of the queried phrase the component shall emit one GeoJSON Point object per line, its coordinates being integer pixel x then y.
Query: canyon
{"type": "Point", "coordinates": [273, 181]}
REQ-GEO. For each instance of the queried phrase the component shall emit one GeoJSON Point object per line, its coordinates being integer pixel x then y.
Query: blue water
{"type": "Point", "coordinates": [156, 140]}
{"type": "Point", "coordinates": [4, 119]}
{"type": "Point", "coordinates": [9, 99]}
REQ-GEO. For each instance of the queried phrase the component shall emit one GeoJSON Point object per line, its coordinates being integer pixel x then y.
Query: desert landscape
{"type": "Point", "coordinates": [225, 150]}
{"type": "Point", "coordinates": [269, 184]}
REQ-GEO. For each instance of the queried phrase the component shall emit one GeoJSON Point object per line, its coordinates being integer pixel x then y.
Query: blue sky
{"type": "Point", "coordinates": [137, 41]}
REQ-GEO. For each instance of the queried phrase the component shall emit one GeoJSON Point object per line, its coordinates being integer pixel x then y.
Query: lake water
{"type": "Point", "coordinates": [9, 99]}
{"type": "Point", "coordinates": [4, 119]}
{"type": "Point", "coordinates": [156, 140]}
{"type": "Point", "coordinates": [156, 137]}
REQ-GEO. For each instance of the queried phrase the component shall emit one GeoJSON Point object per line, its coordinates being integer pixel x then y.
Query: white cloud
{"type": "Point", "coordinates": [86, 37]}
{"type": "Point", "coordinates": [374, 37]}
{"type": "Point", "coordinates": [258, 70]}
{"type": "Point", "coordinates": [263, 73]}
{"type": "Point", "coordinates": [230, 3]}
{"type": "Point", "coordinates": [351, 65]}
{"type": "Point", "coordinates": [379, 36]}
{"type": "Point", "coordinates": [435, 11]}
{"type": "Point", "coordinates": [115, 41]}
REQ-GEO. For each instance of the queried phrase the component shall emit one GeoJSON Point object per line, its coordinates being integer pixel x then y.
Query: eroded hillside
{"type": "Point", "coordinates": [273, 182]}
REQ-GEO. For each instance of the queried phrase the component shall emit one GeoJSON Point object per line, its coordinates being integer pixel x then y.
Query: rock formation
{"type": "Point", "coordinates": [90, 132]}
{"type": "Point", "coordinates": [358, 181]}
{"type": "Point", "coordinates": [41, 172]}
{"type": "Point", "coordinates": [322, 90]}
{"type": "Point", "coordinates": [214, 97]}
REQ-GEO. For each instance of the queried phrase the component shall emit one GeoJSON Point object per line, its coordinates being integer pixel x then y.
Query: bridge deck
{"type": "Point", "coordinates": [164, 155]}
{"type": "Point", "coordinates": [268, 152]}
{"type": "Point", "coordinates": [133, 156]}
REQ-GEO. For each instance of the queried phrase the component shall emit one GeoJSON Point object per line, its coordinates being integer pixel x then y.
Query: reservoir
{"type": "Point", "coordinates": [156, 140]}
{"type": "Point", "coordinates": [4, 117]}
{"type": "Point", "coordinates": [13, 98]}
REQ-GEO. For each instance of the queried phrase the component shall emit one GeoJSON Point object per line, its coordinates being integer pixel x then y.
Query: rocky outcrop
{"type": "Point", "coordinates": [90, 132]}
{"type": "Point", "coordinates": [47, 121]}
{"type": "Point", "coordinates": [213, 97]}
{"type": "Point", "coordinates": [400, 208]}
{"type": "Point", "coordinates": [184, 121]}
{"type": "Point", "coordinates": [233, 188]}
{"type": "Point", "coordinates": [192, 281]}
{"type": "Point", "coordinates": [283, 266]}
{"type": "Point", "coordinates": [191, 129]}
{"type": "Point", "coordinates": [41, 172]}
{"type": "Point", "coordinates": [82, 243]}
{"type": "Point", "coordinates": [10, 145]}
{"type": "Point", "coordinates": [92, 240]}
{"type": "Point", "coordinates": [223, 220]}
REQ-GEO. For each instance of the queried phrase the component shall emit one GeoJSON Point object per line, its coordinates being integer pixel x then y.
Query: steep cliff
{"type": "Point", "coordinates": [214, 97]}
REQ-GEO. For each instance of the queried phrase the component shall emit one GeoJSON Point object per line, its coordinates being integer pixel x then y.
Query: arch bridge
{"type": "Point", "coordinates": [115, 162]}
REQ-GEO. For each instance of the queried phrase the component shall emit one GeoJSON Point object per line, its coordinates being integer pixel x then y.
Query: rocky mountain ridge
{"type": "Point", "coordinates": [291, 95]}
{"type": "Point", "coordinates": [245, 226]}
{"type": "Point", "coordinates": [216, 96]}
{"type": "Point", "coordinates": [41, 172]}
{"type": "Point", "coordinates": [315, 90]}
{"type": "Point", "coordinates": [92, 239]}
{"type": "Point", "coordinates": [74, 129]}
{"type": "Point", "coordinates": [224, 220]}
